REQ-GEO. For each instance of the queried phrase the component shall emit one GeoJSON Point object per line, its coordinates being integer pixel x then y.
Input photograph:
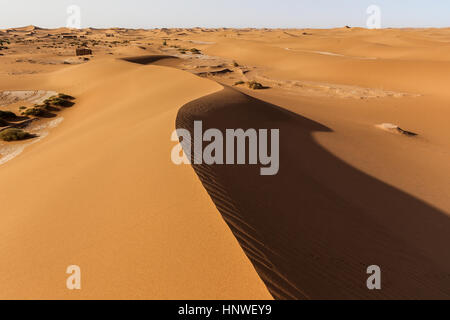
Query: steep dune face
{"type": "Point", "coordinates": [352, 195]}
{"type": "Point", "coordinates": [313, 230]}
{"type": "Point", "coordinates": [101, 192]}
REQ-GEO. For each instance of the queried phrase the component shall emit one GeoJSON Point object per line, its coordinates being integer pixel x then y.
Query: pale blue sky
{"type": "Point", "coordinates": [225, 13]}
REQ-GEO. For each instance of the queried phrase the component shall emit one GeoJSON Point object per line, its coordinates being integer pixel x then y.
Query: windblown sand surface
{"type": "Point", "coordinates": [100, 190]}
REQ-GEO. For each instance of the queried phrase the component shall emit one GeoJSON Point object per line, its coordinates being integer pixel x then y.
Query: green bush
{"type": "Point", "coordinates": [13, 134]}
{"type": "Point", "coordinates": [65, 96]}
{"type": "Point", "coordinates": [51, 104]}
{"type": "Point", "coordinates": [37, 111]}
{"type": "Point", "coordinates": [61, 100]}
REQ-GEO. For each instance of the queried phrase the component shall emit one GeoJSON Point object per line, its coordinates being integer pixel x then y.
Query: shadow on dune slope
{"type": "Point", "coordinates": [313, 230]}
{"type": "Point", "coordinates": [153, 59]}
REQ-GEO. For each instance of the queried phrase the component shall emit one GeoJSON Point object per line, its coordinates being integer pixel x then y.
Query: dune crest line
{"type": "Point", "coordinates": [311, 241]}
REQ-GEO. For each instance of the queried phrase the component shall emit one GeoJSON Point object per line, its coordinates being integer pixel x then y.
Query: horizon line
{"type": "Point", "coordinates": [237, 28]}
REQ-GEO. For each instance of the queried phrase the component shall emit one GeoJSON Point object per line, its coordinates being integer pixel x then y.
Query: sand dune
{"type": "Point", "coordinates": [313, 235]}
{"type": "Point", "coordinates": [102, 193]}
{"type": "Point", "coordinates": [99, 189]}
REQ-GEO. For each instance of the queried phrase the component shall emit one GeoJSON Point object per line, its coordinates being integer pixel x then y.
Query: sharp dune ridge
{"type": "Point", "coordinates": [308, 241]}
{"type": "Point", "coordinates": [100, 190]}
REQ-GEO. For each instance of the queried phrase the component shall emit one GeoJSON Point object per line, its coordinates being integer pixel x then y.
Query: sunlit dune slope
{"type": "Point", "coordinates": [101, 192]}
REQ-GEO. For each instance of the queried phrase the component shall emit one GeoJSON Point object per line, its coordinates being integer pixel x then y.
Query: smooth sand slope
{"type": "Point", "coordinates": [101, 192]}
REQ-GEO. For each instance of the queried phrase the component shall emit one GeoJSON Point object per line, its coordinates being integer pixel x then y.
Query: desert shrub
{"type": "Point", "coordinates": [51, 104]}
{"type": "Point", "coordinates": [65, 96]}
{"type": "Point", "coordinates": [7, 115]}
{"type": "Point", "coordinates": [61, 100]}
{"type": "Point", "coordinates": [37, 111]}
{"type": "Point", "coordinates": [51, 108]}
{"type": "Point", "coordinates": [13, 134]}
{"type": "Point", "coordinates": [255, 85]}
{"type": "Point", "coordinates": [238, 83]}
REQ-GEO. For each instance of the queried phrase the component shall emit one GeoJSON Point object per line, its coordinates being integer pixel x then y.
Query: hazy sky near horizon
{"type": "Point", "coordinates": [224, 13]}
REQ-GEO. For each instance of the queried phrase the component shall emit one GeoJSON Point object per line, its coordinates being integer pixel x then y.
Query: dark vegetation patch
{"type": "Point", "coordinates": [65, 96]}
{"type": "Point", "coordinates": [58, 101]}
{"type": "Point", "coordinates": [8, 118]}
{"type": "Point", "coordinates": [7, 115]}
{"type": "Point", "coordinates": [50, 105]}
{"type": "Point", "coordinates": [39, 111]}
{"type": "Point", "coordinates": [14, 134]}
{"type": "Point", "coordinates": [184, 50]}
{"type": "Point", "coordinates": [14, 124]}
{"type": "Point", "coordinates": [3, 123]}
